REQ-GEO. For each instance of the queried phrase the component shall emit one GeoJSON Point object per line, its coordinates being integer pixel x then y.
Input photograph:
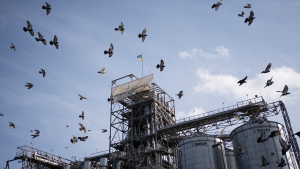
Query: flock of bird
{"type": "Point", "coordinates": [161, 66]}
{"type": "Point", "coordinates": [269, 82]}
{"type": "Point", "coordinates": [55, 42]}
{"type": "Point", "coordinates": [249, 19]}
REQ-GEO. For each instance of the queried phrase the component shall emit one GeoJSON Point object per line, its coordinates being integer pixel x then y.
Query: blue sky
{"type": "Point", "coordinates": [205, 52]}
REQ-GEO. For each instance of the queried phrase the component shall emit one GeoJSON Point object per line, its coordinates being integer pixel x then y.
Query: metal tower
{"type": "Point", "coordinates": [139, 108]}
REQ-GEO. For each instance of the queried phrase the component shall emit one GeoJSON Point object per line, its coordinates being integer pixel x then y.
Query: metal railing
{"type": "Point", "coordinates": [249, 102]}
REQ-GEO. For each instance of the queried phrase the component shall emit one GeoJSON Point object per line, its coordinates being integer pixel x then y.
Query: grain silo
{"type": "Point", "coordinates": [248, 134]}
{"type": "Point", "coordinates": [197, 153]}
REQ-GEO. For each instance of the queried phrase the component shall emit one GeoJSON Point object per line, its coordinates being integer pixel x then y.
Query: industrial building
{"type": "Point", "coordinates": [145, 134]}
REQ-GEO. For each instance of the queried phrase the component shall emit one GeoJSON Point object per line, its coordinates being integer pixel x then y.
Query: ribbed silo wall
{"type": "Point", "coordinates": [197, 153]}
{"type": "Point", "coordinates": [230, 159]}
{"type": "Point", "coordinates": [247, 135]}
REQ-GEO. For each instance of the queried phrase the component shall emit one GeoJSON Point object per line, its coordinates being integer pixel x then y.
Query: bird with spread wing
{"type": "Point", "coordinates": [110, 50]}
{"type": "Point", "coordinates": [43, 72]}
{"type": "Point", "coordinates": [81, 97]}
{"type": "Point", "coordinates": [161, 65]}
{"type": "Point", "coordinates": [54, 42]}
{"type": "Point", "coordinates": [284, 91]}
{"type": "Point", "coordinates": [41, 38]}
{"type": "Point", "coordinates": [12, 125]}
{"type": "Point", "coordinates": [47, 7]}
{"type": "Point", "coordinates": [217, 5]}
{"type": "Point", "coordinates": [120, 28]}
{"type": "Point", "coordinates": [82, 128]}
{"type": "Point", "coordinates": [82, 115]}
{"type": "Point", "coordinates": [29, 28]}
{"type": "Point", "coordinates": [143, 35]}
{"type": "Point", "coordinates": [180, 94]}
{"type": "Point", "coordinates": [29, 85]}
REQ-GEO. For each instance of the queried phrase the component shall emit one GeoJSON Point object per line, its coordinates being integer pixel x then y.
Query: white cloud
{"type": "Point", "coordinates": [222, 52]}
{"type": "Point", "coordinates": [226, 85]}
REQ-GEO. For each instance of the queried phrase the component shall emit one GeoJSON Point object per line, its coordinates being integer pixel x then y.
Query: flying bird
{"type": "Point", "coordinates": [241, 15]}
{"type": "Point", "coordinates": [74, 140]}
{"type": "Point", "coordinates": [262, 137]}
{"type": "Point", "coordinates": [121, 28]}
{"type": "Point", "coordinates": [161, 65]}
{"type": "Point", "coordinates": [241, 149]}
{"type": "Point", "coordinates": [110, 50]}
{"type": "Point", "coordinates": [264, 161]}
{"type": "Point", "coordinates": [263, 119]}
{"type": "Point", "coordinates": [89, 130]}
{"type": "Point", "coordinates": [82, 128]}
{"type": "Point", "coordinates": [217, 145]}
{"type": "Point", "coordinates": [253, 116]}
{"type": "Point", "coordinates": [29, 85]}
{"type": "Point", "coordinates": [221, 132]}
{"type": "Point", "coordinates": [110, 99]}
{"type": "Point", "coordinates": [274, 134]}
{"type": "Point", "coordinates": [54, 42]}
{"type": "Point", "coordinates": [269, 82]}
{"type": "Point", "coordinates": [43, 72]}
{"type": "Point", "coordinates": [41, 38]}
{"type": "Point", "coordinates": [285, 147]}
{"type": "Point", "coordinates": [248, 6]}
{"type": "Point", "coordinates": [236, 115]}
{"type": "Point", "coordinates": [82, 115]}
{"type": "Point", "coordinates": [66, 147]}
{"type": "Point", "coordinates": [12, 125]}
{"type": "Point", "coordinates": [67, 126]}
{"type": "Point", "coordinates": [267, 70]}
{"type": "Point", "coordinates": [282, 163]}
{"type": "Point", "coordinates": [83, 138]}
{"type": "Point", "coordinates": [104, 130]}
{"type": "Point", "coordinates": [102, 71]}
{"type": "Point", "coordinates": [81, 97]}
{"type": "Point", "coordinates": [29, 28]}
{"type": "Point", "coordinates": [48, 8]}
{"type": "Point", "coordinates": [180, 94]}
{"type": "Point", "coordinates": [143, 35]}
{"type": "Point", "coordinates": [13, 46]}
{"type": "Point", "coordinates": [298, 133]}
{"type": "Point", "coordinates": [284, 92]}
{"type": "Point", "coordinates": [216, 5]}
{"type": "Point", "coordinates": [250, 19]}
{"type": "Point", "coordinates": [37, 133]}
{"type": "Point", "coordinates": [1, 114]}
{"type": "Point", "coordinates": [242, 81]}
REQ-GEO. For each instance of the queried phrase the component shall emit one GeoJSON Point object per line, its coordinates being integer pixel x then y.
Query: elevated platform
{"type": "Point", "coordinates": [39, 157]}
{"type": "Point", "coordinates": [215, 116]}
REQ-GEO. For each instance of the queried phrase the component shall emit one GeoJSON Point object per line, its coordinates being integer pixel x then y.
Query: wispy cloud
{"type": "Point", "coordinates": [226, 85]}
{"type": "Point", "coordinates": [222, 52]}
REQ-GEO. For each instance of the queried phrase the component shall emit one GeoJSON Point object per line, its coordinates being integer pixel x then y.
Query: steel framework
{"type": "Point", "coordinates": [34, 158]}
{"type": "Point", "coordinates": [136, 115]}
{"type": "Point", "coordinates": [144, 132]}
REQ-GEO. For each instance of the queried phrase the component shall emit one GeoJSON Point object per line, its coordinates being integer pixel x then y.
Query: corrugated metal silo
{"type": "Point", "coordinates": [197, 153]}
{"type": "Point", "coordinates": [247, 135]}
